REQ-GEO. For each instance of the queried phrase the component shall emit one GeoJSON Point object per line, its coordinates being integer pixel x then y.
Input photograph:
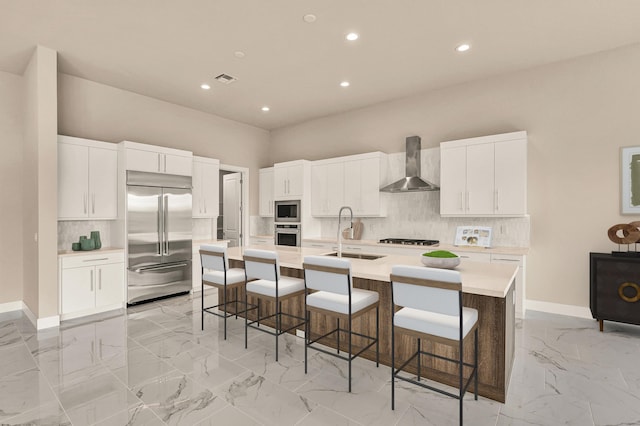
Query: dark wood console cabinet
{"type": "Point", "coordinates": [614, 288]}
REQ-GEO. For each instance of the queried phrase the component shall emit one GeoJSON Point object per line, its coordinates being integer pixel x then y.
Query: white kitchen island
{"type": "Point", "coordinates": [486, 287]}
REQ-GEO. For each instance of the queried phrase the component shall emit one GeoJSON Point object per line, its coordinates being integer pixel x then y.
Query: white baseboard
{"type": "Point", "coordinates": [40, 323]}
{"type": "Point", "coordinates": [11, 306]}
{"type": "Point", "coordinates": [559, 308]}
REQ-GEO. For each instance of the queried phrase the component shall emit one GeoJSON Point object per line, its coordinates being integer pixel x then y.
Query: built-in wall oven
{"type": "Point", "coordinates": [287, 211]}
{"type": "Point", "coordinates": [287, 234]}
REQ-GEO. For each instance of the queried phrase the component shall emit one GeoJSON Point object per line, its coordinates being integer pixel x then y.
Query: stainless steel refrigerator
{"type": "Point", "coordinates": [158, 235]}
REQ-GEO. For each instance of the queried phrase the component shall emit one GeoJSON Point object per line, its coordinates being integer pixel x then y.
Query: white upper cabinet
{"type": "Point", "coordinates": [288, 180]}
{"type": "Point", "coordinates": [156, 159]}
{"type": "Point", "coordinates": [266, 192]}
{"type": "Point", "coordinates": [352, 181]}
{"type": "Point", "coordinates": [206, 187]}
{"type": "Point", "coordinates": [87, 179]}
{"type": "Point", "coordinates": [327, 187]}
{"type": "Point", "coordinates": [484, 176]}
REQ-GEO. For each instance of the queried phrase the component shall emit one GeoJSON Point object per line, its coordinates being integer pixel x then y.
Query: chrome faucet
{"type": "Point", "coordinates": [340, 227]}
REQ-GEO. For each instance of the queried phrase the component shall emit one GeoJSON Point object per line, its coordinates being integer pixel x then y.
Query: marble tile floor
{"type": "Point", "coordinates": [152, 365]}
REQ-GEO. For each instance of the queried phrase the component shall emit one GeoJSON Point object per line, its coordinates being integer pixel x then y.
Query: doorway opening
{"type": "Point", "coordinates": [233, 221]}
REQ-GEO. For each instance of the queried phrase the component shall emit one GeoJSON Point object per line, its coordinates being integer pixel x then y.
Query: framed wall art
{"type": "Point", "coordinates": [630, 185]}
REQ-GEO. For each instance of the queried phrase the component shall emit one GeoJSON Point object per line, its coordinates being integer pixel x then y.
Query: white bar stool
{"type": "Point", "coordinates": [216, 273]}
{"type": "Point", "coordinates": [263, 268]}
{"type": "Point", "coordinates": [329, 291]}
{"type": "Point", "coordinates": [431, 308]}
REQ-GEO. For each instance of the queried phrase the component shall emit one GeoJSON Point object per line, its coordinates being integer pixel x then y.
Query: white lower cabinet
{"type": "Point", "coordinates": [520, 295]}
{"type": "Point", "coordinates": [91, 283]}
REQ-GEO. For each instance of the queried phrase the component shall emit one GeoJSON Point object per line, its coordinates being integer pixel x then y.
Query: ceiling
{"type": "Point", "coordinates": [166, 49]}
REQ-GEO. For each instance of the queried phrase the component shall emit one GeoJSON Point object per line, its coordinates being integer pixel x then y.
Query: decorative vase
{"type": "Point", "coordinates": [95, 236]}
{"type": "Point", "coordinates": [86, 244]}
{"type": "Point", "coordinates": [75, 246]}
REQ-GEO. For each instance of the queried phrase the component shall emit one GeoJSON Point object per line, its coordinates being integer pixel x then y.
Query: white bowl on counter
{"type": "Point", "coordinates": [440, 262]}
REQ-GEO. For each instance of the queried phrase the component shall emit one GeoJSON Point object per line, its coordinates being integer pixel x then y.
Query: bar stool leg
{"type": "Point", "coordinates": [475, 362]}
{"type": "Point", "coordinates": [393, 365]}
{"type": "Point", "coordinates": [338, 334]}
{"type": "Point", "coordinates": [350, 351]}
{"type": "Point", "coordinates": [377, 336]}
{"type": "Point", "coordinates": [460, 382]}
{"type": "Point", "coordinates": [307, 316]}
{"type": "Point", "coordinates": [202, 302]}
{"type": "Point", "coordinates": [236, 298]}
{"type": "Point", "coordinates": [278, 323]}
{"type": "Point", "coordinates": [224, 298]}
{"type": "Point", "coordinates": [246, 320]}
{"type": "Point", "coordinates": [419, 365]}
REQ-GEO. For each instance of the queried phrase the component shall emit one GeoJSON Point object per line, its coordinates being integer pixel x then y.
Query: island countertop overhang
{"type": "Point", "coordinates": [486, 279]}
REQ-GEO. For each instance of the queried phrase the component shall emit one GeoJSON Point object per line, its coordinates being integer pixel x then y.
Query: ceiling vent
{"type": "Point", "coordinates": [226, 79]}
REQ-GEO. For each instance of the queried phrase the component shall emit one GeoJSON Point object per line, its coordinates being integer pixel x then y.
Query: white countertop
{"type": "Point", "coordinates": [440, 246]}
{"type": "Point", "coordinates": [65, 253]}
{"type": "Point", "coordinates": [487, 279]}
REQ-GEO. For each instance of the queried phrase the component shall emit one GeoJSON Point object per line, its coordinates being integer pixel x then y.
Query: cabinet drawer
{"type": "Point", "coordinates": [92, 259]}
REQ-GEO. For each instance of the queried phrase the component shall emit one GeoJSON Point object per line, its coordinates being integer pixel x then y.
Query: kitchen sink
{"type": "Point", "coordinates": [357, 255]}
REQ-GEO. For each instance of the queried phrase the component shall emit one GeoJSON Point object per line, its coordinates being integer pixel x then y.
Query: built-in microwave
{"type": "Point", "coordinates": [287, 211]}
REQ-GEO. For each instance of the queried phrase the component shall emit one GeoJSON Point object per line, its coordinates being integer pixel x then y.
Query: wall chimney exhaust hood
{"type": "Point", "coordinates": [412, 181]}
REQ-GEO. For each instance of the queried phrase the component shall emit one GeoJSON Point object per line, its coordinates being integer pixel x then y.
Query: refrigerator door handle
{"type": "Point", "coordinates": [165, 214]}
{"type": "Point", "coordinates": [160, 222]}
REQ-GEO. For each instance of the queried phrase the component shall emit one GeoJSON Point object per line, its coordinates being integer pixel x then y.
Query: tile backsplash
{"type": "Point", "coordinates": [69, 231]}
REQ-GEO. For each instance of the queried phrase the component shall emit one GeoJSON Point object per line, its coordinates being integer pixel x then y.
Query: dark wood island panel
{"type": "Point", "coordinates": [496, 335]}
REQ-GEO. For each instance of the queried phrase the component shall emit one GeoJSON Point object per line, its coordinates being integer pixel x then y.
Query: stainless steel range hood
{"type": "Point", "coordinates": [412, 182]}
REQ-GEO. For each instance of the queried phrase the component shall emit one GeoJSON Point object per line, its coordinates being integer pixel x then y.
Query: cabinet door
{"type": "Point", "coordinates": [369, 187]}
{"type": "Point", "coordinates": [319, 190]}
{"type": "Point", "coordinates": [511, 178]}
{"type": "Point", "coordinates": [453, 178]}
{"type": "Point", "coordinates": [352, 185]}
{"type": "Point", "coordinates": [210, 187]}
{"type": "Point", "coordinates": [480, 179]}
{"type": "Point", "coordinates": [78, 289]}
{"type": "Point", "coordinates": [73, 182]}
{"type": "Point", "coordinates": [144, 161]}
{"type": "Point", "coordinates": [280, 182]}
{"type": "Point", "coordinates": [103, 183]}
{"type": "Point", "coordinates": [266, 192]}
{"type": "Point", "coordinates": [177, 165]}
{"type": "Point", "coordinates": [109, 283]}
{"type": "Point", "coordinates": [295, 184]}
{"type": "Point", "coordinates": [335, 188]}
{"type": "Point", "coordinates": [197, 201]}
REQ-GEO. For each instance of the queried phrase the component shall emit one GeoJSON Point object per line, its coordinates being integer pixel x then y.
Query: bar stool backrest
{"type": "Point", "coordinates": [428, 289]}
{"type": "Point", "coordinates": [259, 264]}
{"type": "Point", "coordinates": [214, 258]}
{"type": "Point", "coordinates": [327, 274]}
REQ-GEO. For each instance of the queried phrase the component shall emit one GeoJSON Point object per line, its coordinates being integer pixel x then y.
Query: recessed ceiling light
{"type": "Point", "coordinates": [205, 86]}
{"type": "Point", "coordinates": [265, 108]}
{"type": "Point", "coordinates": [239, 54]}
{"type": "Point", "coordinates": [352, 36]}
{"type": "Point", "coordinates": [345, 84]}
{"type": "Point", "coordinates": [463, 47]}
{"type": "Point", "coordinates": [309, 18]}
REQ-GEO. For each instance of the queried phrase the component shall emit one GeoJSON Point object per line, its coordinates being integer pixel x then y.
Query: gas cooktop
{"type": "Point", "coordinates": [409, 242]}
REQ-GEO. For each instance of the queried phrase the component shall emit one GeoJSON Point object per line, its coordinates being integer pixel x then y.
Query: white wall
{"type": "Point", "coordinates": [40, 193]}
{"type": "Point", "coordinates": [11, 131]}
{"type": "Point", "coordinates": [577, 113]}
